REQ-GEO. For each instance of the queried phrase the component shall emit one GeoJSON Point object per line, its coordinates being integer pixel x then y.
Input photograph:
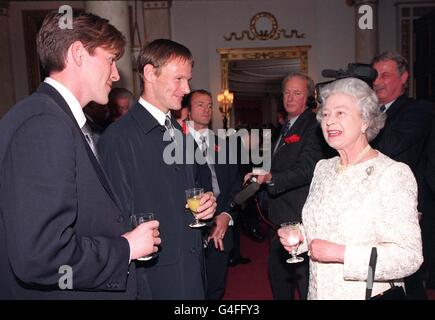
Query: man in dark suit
{"type": "Point", "coordinates": [62, 234]}
{"type": "Point", "coordinates": [224, 180]}
{"type": "Point", "coordinates": [294, 157]}
{"type": "Point", "coordinates": [136, 152]}
{"type": "Point", "coordinates": [405, 134]}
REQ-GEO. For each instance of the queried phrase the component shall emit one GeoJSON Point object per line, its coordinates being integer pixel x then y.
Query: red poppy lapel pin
{"type": "Point", "coordinates": [292, 139]}
{"type": "Point", "coordinates": [184, 128]}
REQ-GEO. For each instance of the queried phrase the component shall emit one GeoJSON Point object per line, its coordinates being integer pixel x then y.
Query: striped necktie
{"type": "Point", "coordinates": [203, 146]}
{"type": "Point", "coordinates": [214, 181]}
{"type": "Point", "coordinates": [170, 127]}
{"type": "Point", "coordinates": [284, 132]}
{"type": "Point", "coordinates": [87, 131]}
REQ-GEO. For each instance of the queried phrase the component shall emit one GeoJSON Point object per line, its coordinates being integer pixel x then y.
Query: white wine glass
{"type": "Point", "coordinates": [193, 197]}
{"type": "Point", "coordinates": [292, 232]}
{"type": "Point", "coordinates": [137, 219]}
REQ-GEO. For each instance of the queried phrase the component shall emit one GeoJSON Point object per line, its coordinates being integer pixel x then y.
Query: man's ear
{"type": "Point", "coordinates": [149, 73]}
{"type": "Point", "coordinates": [404, 77]}
{"type": "Point", "coordinates": [77, 52]}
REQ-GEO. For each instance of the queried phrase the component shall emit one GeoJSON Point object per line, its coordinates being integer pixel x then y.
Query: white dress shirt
{"type": "Point", "coordinates": [158, 114]}
{"type": "Point", "coordinates": [70, 99]}
{"type": "Point", "coordinates": [197, 136]}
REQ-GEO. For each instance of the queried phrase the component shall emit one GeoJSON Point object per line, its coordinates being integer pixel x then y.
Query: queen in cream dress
{"type": "Point", "coordinates": [359, 200]}
{"type": "Point", "coordinates": [372, 203]}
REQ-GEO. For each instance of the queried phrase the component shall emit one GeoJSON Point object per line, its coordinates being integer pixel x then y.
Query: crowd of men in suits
{"type": "Point", "coordinates": [66, 201]}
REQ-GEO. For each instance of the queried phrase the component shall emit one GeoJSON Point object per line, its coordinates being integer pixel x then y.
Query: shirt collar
{"type": "Point", "coordinates": [293, 120]}
{"type": "Point", "coordinates": [387, 105]}
{"type": "Point", "coordinates": [197, 135]}
{"type": "Point", "coordinates": [70, 99]}
{"type": "Point", "coordinates": [158, 114]}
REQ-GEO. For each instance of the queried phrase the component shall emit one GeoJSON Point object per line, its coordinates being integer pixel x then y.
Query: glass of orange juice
{"type": "Point", "coordinates": [193, 196]}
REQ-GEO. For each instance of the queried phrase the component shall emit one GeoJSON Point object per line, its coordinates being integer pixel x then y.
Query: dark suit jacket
{"type": "Point", "coordinates": [57, 208]}
{"type": "Point", "coordinates": [427, 197]}
{"type": "Point", "coordinates": [405, 134]}
{"type": "Point", "coordinates": [229, 180]}
{"type": "Point", "coordinates": [430, 161]}
{"type": "Point", "coordinates": [131, 151]}
{"type": "Point", "coordinates": [292, 169]}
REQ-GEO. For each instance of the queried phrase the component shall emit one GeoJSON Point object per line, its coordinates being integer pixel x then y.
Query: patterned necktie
{"type": "Point", "coordinates": [87, 131]}
{"type": "Point", "coordinates": [286, 128]}
{"type": "Point", "coordinates": [170, 127]}
{"type": "Point", "coordinates": [203, 146]}
{"type": "Point", "coordinates": [382, 108]}
{"type": "Point", "coordinates": [284, 132]}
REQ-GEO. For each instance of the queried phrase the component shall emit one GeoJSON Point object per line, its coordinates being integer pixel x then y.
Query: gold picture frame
{"type": "Point", "coordinates": [231, 54]}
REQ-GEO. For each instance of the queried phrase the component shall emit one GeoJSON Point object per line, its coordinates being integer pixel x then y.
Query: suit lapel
{"type": "Point", "coordinates": [147, 122]}
{"type": "Point", "coordinates": [295, 128]}
{"type": "Point", "coordinates": [48, 90]}
{"type": "Point", "coordinates": [396, 107]}
{"type": "Point", "coordinates": [144, 119]}
{"type": "Point", "coordinates": [392, 112]}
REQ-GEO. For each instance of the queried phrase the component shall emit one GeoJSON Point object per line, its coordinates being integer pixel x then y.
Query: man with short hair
{"type": "Point", "coordinates": [405, 134]}
{"type": "Point", "coordinates": [133, 154]}
{"type": "Point", "coordinates": [62, 234]}
{"type": "Point", "coordinates": [224, 180]}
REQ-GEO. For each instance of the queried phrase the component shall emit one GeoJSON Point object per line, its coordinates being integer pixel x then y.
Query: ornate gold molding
{"type": "Point", "coordinates": [254, 33]}
{"type": "Point", "coordinates": [152, 4]}
{"type": "Point", "coordinates": [227, 55]}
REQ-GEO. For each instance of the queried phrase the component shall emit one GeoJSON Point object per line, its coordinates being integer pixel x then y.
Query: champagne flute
{"type": "Point", "coordinates": [137, 219]}
{"type": "Point", "coordinates": [292, 233]}
{"type": "Point", "coordinates": [193, 197]}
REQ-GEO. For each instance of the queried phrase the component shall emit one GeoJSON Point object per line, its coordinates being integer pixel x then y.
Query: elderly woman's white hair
{"type": "Point", "coordinates": [366, 100]}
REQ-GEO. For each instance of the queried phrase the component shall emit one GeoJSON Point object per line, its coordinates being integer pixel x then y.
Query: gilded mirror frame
{"type": "Point", "coordinates": [231, 54]}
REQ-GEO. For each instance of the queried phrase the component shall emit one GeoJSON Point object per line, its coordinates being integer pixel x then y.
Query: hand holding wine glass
{"type": "Point", "coordinates": [143, 239]}
{"type": "Point", "coordinates": [292, 233]}
{"type": "Point", "coordinates": [193, 197]}
{"type": "Point", "coordinates": [138, 219]}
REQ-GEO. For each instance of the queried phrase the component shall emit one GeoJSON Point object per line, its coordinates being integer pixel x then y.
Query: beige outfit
{"type": "Point", "coordinates": [373, 203]}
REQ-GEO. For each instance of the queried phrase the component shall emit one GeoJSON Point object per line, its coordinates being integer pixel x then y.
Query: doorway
{"type": "Point", "coordinates": [254, 75]}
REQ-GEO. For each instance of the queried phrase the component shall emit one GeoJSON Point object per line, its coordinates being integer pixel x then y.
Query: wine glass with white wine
{"type": "Point", "coordinates": [292, 233]}
{"type": "Point", "coordinates": [193, 197]}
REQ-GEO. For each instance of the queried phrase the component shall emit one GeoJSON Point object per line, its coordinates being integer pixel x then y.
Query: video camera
{"type": "Point", "coordinates": [360, 71]}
